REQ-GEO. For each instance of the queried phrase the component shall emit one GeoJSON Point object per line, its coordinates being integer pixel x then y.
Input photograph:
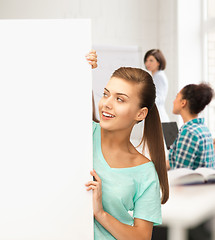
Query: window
{"type": "Point", "coordinates": [210, 53]}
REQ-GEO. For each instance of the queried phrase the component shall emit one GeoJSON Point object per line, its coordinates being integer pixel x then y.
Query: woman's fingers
{"type": "Point", "coordinates": [91, 183]}
{"type": "Point", "coordinates": [96, 187]}
{"type": "Point", "coordinates": [95, 175]}
{"type": "Point", "coordinates": [91, 188]}
{"type": "Point", "coordinates": [92, 58]}
{"type": "Point", "coordinates": [93, 51]}
{"type": "Point", "coordinates": [92, 55]}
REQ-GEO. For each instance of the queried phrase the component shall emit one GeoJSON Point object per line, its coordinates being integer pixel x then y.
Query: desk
{"type": "Point", "coordinates": [187, 207]}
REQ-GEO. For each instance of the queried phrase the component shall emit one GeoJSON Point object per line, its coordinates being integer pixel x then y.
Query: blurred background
{"type": "Point", "coordinates": [183, 29]}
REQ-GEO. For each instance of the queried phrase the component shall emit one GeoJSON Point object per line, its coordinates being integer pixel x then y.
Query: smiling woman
{"type": "Point", "coordinates": [125, 180]}
{"type": "Point", "coordinates": [121, 104]}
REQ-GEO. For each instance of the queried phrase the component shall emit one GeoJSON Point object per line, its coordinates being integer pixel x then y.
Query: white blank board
{"type": "Point", "coordinates": [45, 130]}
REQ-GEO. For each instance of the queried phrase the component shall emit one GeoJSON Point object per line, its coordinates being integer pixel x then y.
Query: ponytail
{"type": "Point", "coordinates": [153, 139]}
{"type": "Point", "coordinates": [153, 136]}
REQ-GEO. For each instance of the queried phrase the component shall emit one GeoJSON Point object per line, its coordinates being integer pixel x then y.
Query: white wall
{"type": "Point", "coordinates": [167, 42]}
{"type": "Point", "coordinates": [180, 38]}
{"type": "Point", "coordinates": [189, 42]}
{"type": "Point", "coordinates": [172, 25]}
{"type": "Point", "coordinates": [114, 22]}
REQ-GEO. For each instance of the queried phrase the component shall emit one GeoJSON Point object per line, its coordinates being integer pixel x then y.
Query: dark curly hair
{"type": "Point", "coordinates": [198, 96]}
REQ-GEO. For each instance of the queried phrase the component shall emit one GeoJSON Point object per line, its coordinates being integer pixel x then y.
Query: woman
{"type": "Point", "coordinates": [193, 146]}
{"type": "Point", "coordinates": [155, 62]}
{"type": "Point", "coordinates": [126, 180]}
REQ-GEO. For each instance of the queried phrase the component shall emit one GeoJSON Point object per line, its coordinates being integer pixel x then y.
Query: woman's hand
{"type": "Point", "coordinates": [142, 229]}
{"type": "Point", "coordinates": [96, 186]}
{"type": "Point", "coordinates": [92, 58]}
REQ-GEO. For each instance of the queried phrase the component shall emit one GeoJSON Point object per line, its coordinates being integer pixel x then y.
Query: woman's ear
{"type": "Point", "coordinates": [142, 113]}
{"type": "Point", "coordinates": [183, 103]}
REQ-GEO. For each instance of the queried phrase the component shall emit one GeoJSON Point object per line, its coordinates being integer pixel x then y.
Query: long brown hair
{"type": "Point", "coordinates": [152, 135]}
{"type": "Point", "coordinates": [94, 110]}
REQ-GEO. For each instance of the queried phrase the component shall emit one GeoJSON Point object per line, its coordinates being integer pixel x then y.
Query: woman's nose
{"type": "Point", "coordinates": [108, 103]}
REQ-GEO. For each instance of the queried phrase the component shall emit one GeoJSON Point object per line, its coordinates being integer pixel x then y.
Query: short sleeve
{"type": "Point", "coordinates": [148, 205]}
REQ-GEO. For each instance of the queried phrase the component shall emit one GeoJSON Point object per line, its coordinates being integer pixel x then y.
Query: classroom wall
{"type": "Point", "coordinates": [165, 24]}
{"type": "Point", "coordinates": [180, 38]}
{"type": "Point", "coordinates": [114, 22]}
{"type": "Point", "coordinates": [128, 23]}
{"type": "Point", "coordinates": [167, 42]}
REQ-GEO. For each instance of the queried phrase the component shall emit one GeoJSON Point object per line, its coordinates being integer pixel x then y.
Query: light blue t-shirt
{"type": "Point", "coordinates": [134, 189]}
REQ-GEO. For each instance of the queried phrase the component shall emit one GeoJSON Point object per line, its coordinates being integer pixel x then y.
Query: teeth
{"type": "Point", "coordinates": [107, 115]}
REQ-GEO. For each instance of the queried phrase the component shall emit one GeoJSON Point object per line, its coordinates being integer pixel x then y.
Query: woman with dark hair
{"type": "Point", "coordinates": [124, 179]}
{"type": "Point", "coordinates": [155, 62]}
{"type": "Point", "coordinates": [193, 146]}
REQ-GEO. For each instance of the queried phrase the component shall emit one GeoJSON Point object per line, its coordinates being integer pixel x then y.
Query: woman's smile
{"type": "Point", "coordinates": [107, 115]}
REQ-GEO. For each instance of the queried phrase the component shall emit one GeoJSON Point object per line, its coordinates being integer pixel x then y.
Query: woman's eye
{"type": "Point", "coordinates": [120, 99]}
{"type": "Point", "coordinates": [105, 94]}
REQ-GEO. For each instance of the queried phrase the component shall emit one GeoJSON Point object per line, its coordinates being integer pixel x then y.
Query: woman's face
{"type": "Point", "coordinates": [177, 104]}
{"type": "Point", "coordinates": [119, 107]}
{"type": "Point", "coordinates": [152, 64]}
